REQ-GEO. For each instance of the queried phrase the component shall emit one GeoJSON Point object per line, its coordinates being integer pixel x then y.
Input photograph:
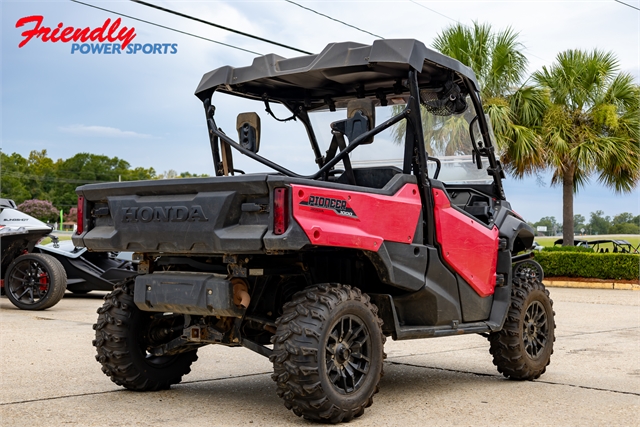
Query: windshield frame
{"type": "Point", "coordinates": [324, 168]}
{"type": "Point", "coordinates": [414, 134]}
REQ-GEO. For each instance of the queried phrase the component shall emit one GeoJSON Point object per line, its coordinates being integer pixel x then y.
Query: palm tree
{"type": "Point", "coordinates": [579, 118]}
{"type": "Point", "coordinates": [496, 58]}
{"type": "Point", "coordinates": [591, 126]}
{"type": "Point", "coordinates": [515, 111]}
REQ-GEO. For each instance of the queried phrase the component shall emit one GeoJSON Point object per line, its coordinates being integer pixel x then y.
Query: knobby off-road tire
{"type": "Point", "coordinates": [35, 281]}
{"type": "Point", "coordinates": [328, 353]}
{"type": "Point", "coordinates": [523, 348]}
{"type": "Point", "coordinates": [121, 342]}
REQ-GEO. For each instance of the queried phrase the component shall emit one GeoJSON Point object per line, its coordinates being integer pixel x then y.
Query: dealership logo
{"type": "Point", "coordinates": [109, 38]}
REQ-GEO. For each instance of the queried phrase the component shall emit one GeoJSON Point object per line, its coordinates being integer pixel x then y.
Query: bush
{"type": "Point", "coordinates": [40, 209]}
{"type": "Point", "coordinates": [590, 265]}
{"type": "Point", "coordinates": [567, 249]}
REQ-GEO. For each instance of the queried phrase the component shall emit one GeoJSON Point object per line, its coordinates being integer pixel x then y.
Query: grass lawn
{"type": "Point", "coordinates": [634, 239]}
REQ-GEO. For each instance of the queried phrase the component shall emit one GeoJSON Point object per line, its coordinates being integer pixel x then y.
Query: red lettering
{"type": "Point", "coordinates": [103, 33]}
{"type": "Point", "coordinates": [65, 35]}
{"type": "Point", "coordinates": [28, 34]}
{"type": "Point", "coordinates": [98, 33]}
{"type": "Point", "coordinates": [113, 29]}
{"type": "Point", "coordinates": [82, 35]}
{"type": "Point", "coordinates": [126, 36]}
{"type": "Point", "coordinates": [55, 32]}
{"type": "Point", "coordinates": [44, 31]}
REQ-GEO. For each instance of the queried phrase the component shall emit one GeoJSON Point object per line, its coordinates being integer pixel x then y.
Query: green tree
{"type": "Point", "coordinates": [39, 177]}
{"type": "Point", "coordinates": [579, 223]}
{"type": "Point", "coordinates": [626, 228]}
{"type": "Point", "coordinates": [139, 174]}
{"type": "Point", "coordinates": [500, 66]}
{"type": "Point", "coordinates": [495, 57]}
{"type": "Point", "coordinates": [625, 223]}
{"type": "Point", "coordinates": [12, 184]}
{"type": "Point", "coordinates": [192, 175]}
{"type": "Point", "coordinates": [623, 218]}
{"type": "Point", "coordinates": [580, 118]}
{"type": "Point", "coordinates": [599, 224]}
{"type": "Point", "coordinates": [84, 168]}
{"type": "Point", "coordinates": [592, 126]}
{"type": "Point", "coordinates": [515, 110]}
{"type": "Point", "coordinates": [551, 223]}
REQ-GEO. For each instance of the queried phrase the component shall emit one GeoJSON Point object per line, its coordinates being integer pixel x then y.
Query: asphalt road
{"type": "Point", "coordinates": [49, 376]}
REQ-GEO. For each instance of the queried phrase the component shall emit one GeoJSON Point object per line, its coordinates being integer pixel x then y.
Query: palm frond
{"type": "Point", "coordinates": [623, 92]}
{"type": "Point", "coordinates": [508, 64]}
{"type": "Point", "coordinates": [524, 154]}
{"type": "Point", "coordinates": [530, 105]}
{"type": "Point", "coordinates": [619, 164]}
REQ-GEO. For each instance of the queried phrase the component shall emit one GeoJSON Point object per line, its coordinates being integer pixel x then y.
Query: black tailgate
{"type": "Point", "coordinates": [194, 216]}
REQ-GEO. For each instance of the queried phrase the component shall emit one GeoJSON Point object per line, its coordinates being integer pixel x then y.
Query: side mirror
{"type": "Point", "coordinates": [248, 126]}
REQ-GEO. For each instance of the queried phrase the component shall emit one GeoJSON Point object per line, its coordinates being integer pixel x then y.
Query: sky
{"type": "Point", "coordinates": [141, 108]}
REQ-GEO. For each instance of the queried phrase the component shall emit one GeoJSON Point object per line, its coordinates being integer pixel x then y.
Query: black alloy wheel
{"type": "Point", "coordinates": [536, 329]}
{"type": "Point", "coordinates": [35, 281]}
{"type": "Point", "coordinates": [348, 354]}
{"type": "Point", "coordinates": [328, 353]}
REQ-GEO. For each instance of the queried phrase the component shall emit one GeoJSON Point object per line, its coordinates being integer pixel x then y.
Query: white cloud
{"type": "Point", "coordinates": [154, 93]}
{"type": "Point", "coordinates": [101, 131]}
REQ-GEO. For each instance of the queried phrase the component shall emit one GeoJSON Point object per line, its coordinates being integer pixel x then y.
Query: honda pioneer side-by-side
{"type": "Point", "coordinates": [398, 226]}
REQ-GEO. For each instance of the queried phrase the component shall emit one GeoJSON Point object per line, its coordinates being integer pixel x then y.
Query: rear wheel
{"type": "Point", "coordinates": [523, 348]}
{"type": "Point", "coordinates": [124, 334]}
{"type": "Point", "coordinates": [35, 281]}
{"type": "Point", "coordinates": [328, 353]}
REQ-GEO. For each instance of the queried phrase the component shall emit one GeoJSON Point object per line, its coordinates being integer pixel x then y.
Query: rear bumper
{"type": "Point", "coordinates": [186, 293]}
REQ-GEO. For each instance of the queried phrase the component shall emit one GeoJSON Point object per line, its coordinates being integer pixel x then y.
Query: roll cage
{"type": "Point", "coordinates": [386, 70]}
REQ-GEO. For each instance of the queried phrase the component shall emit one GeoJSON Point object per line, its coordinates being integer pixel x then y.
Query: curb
{"type": "Point", "coordinates": [591, 285]}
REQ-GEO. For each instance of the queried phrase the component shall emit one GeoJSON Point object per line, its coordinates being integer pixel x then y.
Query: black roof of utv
{"type": "Point", "coordinates": [340, 70]}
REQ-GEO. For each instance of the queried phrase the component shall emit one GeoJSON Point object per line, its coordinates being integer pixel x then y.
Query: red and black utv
{"type": "Point", "coordinates": [402, 230]}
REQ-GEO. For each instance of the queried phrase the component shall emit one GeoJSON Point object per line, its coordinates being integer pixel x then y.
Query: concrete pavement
{"type": "Point", "coordinates": [49, 376]}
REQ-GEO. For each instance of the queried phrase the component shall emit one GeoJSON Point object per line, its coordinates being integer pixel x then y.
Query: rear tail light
{"type": "Point", "coordinates": [280, 211]}
{"type": "Point", "coordinates": [80, 218]}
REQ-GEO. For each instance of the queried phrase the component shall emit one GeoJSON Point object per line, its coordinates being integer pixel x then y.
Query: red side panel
{"type": "Point", "coordinates": [471, 249]}
{"type": "Point", "coordinates": [351, 219]}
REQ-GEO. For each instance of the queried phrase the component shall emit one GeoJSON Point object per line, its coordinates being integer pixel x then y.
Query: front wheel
{"type": "Point", "coordinates": [523, 348]}
{"type": "Point", "coordinates": [328, 353]}
{"type": "Point", "coordinates": [124, 333]}
{"type": "Point", "coordinates": [528, 268]}
{"type": "Point", "coordinates": [35, 281]}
